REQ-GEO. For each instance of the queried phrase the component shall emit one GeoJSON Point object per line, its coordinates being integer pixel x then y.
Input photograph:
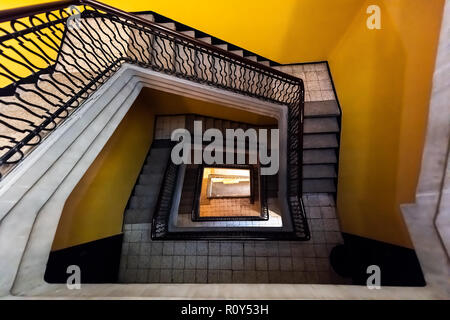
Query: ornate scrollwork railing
{"type": "Point", "coordinates": [54, 56]}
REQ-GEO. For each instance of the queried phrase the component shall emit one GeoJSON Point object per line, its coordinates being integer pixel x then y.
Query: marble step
{"type": "Point", "coordinates": [149, 179]}
{"type": "Point", "coordinates": [320, 141]}
{"type": "Point", "coordinates": [146, 190]}
{"type": "Point", "coordinates": [320, 125]}
{"type": "Point", "coordinates": [189, 33]}
{"type": "Point", "coordinates": [252, 58]}
{"type": "Point", "coordinates": [319, 156]}
{"type": "Point", "coordinates": [147, 16]}
{"type": "Point", "coordinates": [319, 185]}
{"type": "Point", "coordinates": [223, 46]}
{"type": "Point", "coordinates": [319, 171]}
{"type": "Point", "coordinates": [207, 40]}
{"type": "Point", "coordinates": [138, 216]}
{"type": "Point", "coordinates": [321, 108]}
{"type": "Point", "coordinates": [168, 25]}
{"type": "Point", "coordinates": [141, 202]}
{"type": "Point", "coordinates": [238, 52]}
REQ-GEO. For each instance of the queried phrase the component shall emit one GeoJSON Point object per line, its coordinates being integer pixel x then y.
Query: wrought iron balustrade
{"type": "Point", "coordinates": [54, 56]}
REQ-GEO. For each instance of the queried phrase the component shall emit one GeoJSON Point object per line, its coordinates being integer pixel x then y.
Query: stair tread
{"type": "Point", "coordinates": [319, 171]}
{"type": "Point", "coordinates": [146, 190]}
{"type": "Point", "coordinates": [168, 25]}
{"type": "Point", "coordinates": [319, 156]}
{"type": "Point", "coordinates": [238, 52]}
{"type": "Point", "coordinates": [223, 46]}
{"type": "Point", "coordinates": [205, 39]}
{"type": "Point", "coordinates": [143, 202]}
{"type": "Point", "coordinates": [189, 33]}
{"type": "Point", "coordinates": [321, 108]}
{"type": "Point", "coordinates": [138, 216]}
{"type": "Point", "coordinates": [320, 125]}
{"type": "Point", "coordinates": [147, 16]}
{"type": "Point", "coordinates": [318, 141]}
{"type": "Point", "coordinates": [158, 153]}
{"type": "Point", "coordinates": [319, 185]}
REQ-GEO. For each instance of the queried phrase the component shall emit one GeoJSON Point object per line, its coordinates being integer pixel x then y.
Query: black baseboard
{"type": "Point", "coordinates": [399, 266]}
{"type": "Point", "coordinates": [98, 261]}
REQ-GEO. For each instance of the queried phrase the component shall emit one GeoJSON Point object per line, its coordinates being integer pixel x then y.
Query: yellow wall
{"type": "Point", "coordinates": [383, 80]}
{"type": "Point", "coordinates": [95, 208]}
{"type": "Point", "coordinates": [286, 30]}
{"type": "Point", "coordinates": [36, 61]}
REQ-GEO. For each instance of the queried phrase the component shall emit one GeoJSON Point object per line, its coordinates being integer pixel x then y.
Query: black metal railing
{"type": "Point", "coordinates": [54, 56]}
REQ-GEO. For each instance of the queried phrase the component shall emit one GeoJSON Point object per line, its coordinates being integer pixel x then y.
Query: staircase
{"type": "Point", "coordinates": [321, 146]}
{"type": "Point", "coordinates": [143, 200]}
{"type": "Point", "coordinates": [83, 59]}
{"type": "Point", "coordinates": [66, 69]}
{"type": "Point", "coordinates": [164, 127]}
{"type": "Point", "coordinates": [322, 114]}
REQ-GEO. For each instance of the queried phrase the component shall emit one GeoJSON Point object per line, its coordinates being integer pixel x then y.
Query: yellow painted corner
{"type": "Point", "coordinates": [95, 208]}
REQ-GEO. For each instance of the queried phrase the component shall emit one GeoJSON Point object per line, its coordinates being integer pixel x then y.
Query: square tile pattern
{"type": "Point", "coordinates": [146, 261]}
{"type": "Point", "coordinates": [229, 208]}
{"type": "Point", "coordinates": [316, 79]}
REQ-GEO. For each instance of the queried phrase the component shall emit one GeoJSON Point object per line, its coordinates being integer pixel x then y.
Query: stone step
{"type": "Point", "coordinates": [321, 108]}
{"type": "Point", "coordinates": [252, 58]}
{"type": "Point", "coordinates": [153, 168]}
{"type": "Point", "coordinates": [158, 155]}
{"type": "Point", "coordinates": [319, 185]}
{"type": "Point", "coordinates": [189, 33]}
{"type": "Point", "coordinates": [139, 202]}
{"type": "Point", "coordinates": [223, 46]}
{"type": "Point", "coordinates": [149, 190]}
{"type": "Point", "coordinates": [138, 216]}
{"type": "Point", "coordinates": [320, 125]}
{"type": "Point", "coordinates": [265, 62]}
{"type": "Point", "coordinates": [319, 171]}
{"type": "Point", "coordinates": [205, 39]}
{"type": "Point", "coordinates": [145, 195]}
{"type": "Point", "coordinates": [168, 25]}
{"type": "Point", "coordinates": [320, 141]}
{"type": "Point", "coordinates": [319, 156]}
{"type": "Point", "coordinates": [238, 52]}
{"type": "Point", "coordinates": [147, 16]}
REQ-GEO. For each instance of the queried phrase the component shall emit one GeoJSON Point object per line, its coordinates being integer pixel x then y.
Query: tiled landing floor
{"type": "Point", "coordinates": [146, 261]}
{"type": "Point", "coordinates": [273, 221]}
{"type": "Point", "coordinates": [232, 207]}
{"type": "Point", "coordinates": [185, 220]}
